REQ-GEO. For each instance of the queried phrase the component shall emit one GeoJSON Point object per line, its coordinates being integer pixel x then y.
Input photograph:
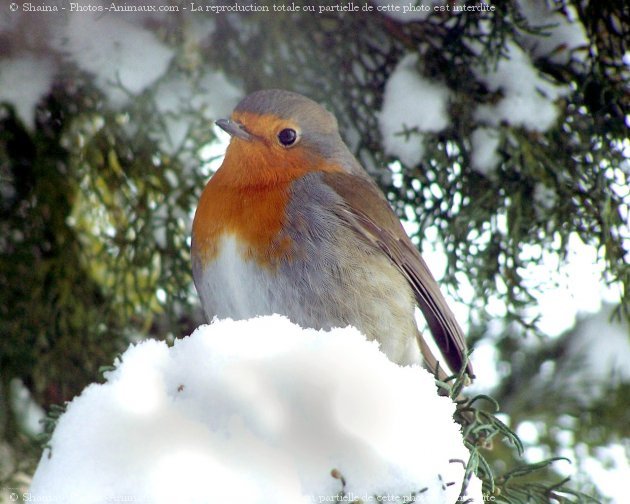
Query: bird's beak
{"type": "Point", "coordinates": [234, 129]}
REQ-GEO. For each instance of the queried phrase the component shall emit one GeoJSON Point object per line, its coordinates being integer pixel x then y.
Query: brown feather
{"type": "Point", "coordinates": [368, 213]}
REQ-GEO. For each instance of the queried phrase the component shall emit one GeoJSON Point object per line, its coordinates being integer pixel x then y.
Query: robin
{"type": "Point", "coordinates": [292, 224]}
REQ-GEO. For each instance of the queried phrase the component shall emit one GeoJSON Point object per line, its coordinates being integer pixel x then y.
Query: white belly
{"type": "Point", "coordinates": [312, 294]}
{"type": "Point", "coordinates": [232, 286]}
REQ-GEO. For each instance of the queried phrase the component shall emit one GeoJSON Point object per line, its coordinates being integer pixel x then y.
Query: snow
{"type": "Point", "coordinates": [527, 98]}
{"type": "Point", "coordinates": [123, 57]}
{"type": "Point", "coordinates": [411, 102]}
{"type": "Point", "coordinates": [544, 197]}
{"type": "Point", "coordinates": [560, 35]}
{"type": "Point", "coordinates": [527, 101]}
{"type": "Point", "coordinates": [484, 158]}
{"type": "Point", "coordinates": [23, 82]}
{"type": "Point", "coordinates": [27, 411]}
{"type": "Point", "coordinates": [257, 411]}
{"type": "Point", "coordinates": [180, 100]}
{"type": "Point", "coordinates": [603, 346]}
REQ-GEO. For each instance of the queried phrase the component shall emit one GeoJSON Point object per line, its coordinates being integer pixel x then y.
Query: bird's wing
{"type": "Point", "coordinates": [367, 212]}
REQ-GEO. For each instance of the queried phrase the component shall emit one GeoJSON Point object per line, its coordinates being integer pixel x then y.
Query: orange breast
{"type": "Point", "coordinates": [254, 215]}
{"type": "Point", "coordinates": [248, 196]}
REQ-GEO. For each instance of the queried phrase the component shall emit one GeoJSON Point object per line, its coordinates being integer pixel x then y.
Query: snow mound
{"type": "Point", "coordinates": [257, 411]}
{"type": "Point", "coordinates": [412, 104]}
{"type": "Point", "coordinates": [561, 35]}
{"type": "Point", "coordinates": [125, 59]}
{"type": "Point", "coordinates": [528, 99]}
{"type": "Point", "coordinates": [24, 81]}
{"type": "Point", "coordinates": [484, 157]}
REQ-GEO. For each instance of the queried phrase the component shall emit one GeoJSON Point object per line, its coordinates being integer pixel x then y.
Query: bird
{"type": "Point", "coordinates": [292, 224]}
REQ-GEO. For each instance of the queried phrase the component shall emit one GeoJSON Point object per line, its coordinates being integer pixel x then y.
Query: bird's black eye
{"type": "Point", "coordinates": [287, 137]}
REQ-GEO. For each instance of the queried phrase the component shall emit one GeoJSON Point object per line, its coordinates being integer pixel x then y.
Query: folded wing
{"type": "Point", "coordinates": [366, 211]}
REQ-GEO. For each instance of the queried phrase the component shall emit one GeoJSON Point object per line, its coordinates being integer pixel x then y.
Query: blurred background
{"type": "Point", "coordinates": [500, 136]}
